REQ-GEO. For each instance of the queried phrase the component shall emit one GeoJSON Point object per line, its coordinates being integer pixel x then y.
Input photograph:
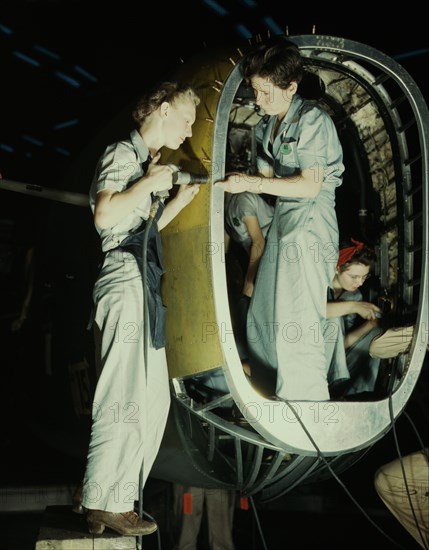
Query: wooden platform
{"type": "Point", "coordinates": [62, 529]}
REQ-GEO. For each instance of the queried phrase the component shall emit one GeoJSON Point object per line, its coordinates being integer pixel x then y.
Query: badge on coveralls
{"type": "Point", "coordinates": [285, 149]}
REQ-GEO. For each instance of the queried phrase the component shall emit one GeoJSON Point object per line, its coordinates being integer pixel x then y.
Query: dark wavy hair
{"type": "Point", "coordinates": [281, 63]}
{"type": "Point", "coordinates": [166, 91]}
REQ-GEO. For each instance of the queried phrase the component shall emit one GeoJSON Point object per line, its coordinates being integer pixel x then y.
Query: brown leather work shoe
{"type": "Point", "coordinates": [124, 523]}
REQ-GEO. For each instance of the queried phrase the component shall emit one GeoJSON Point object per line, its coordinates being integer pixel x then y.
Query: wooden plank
{"type": "Point", "coordinates": [62, 529]}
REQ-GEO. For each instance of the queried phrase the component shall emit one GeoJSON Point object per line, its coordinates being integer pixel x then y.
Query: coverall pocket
{"type": "Point", "coordinates": [287, 158]}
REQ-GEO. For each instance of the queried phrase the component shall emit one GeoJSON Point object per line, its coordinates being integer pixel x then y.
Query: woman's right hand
{"type": "Point", "coordinates": [367, 310]}
{"type": "Point", "coordinates": [159, 176]}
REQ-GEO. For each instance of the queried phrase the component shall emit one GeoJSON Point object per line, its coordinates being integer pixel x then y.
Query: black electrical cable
{"type": "Point", "coordinates": [422, 445]}
{"type": "Point", "coordinates": [404, 476]}
{"type": "Point", "coordinates": [146, 342]}
{"type": "Point", "coordinates": [158, 536]}
{"type": "Point", "coordinates": [258, 523]}
{"type": "Point", "coordinates": [334, 475]}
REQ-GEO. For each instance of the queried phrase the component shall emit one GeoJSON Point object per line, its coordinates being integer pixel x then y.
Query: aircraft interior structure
{"type": "Point", "coordinates": [240, 437]}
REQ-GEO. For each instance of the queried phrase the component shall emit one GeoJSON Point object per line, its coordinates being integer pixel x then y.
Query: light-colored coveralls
{"type": "Point", "coordinates": [132, 399]}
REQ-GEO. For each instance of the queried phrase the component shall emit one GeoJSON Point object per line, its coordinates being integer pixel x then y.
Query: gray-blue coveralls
{"type": "Point", "coordinates": [287, 313]}
{"type": "Point", "coordinates": [237, 207]}
{"type": "Point", "coordinates": [131, 403]}
{"type": "Point", "coordinates": [354, 368]}
{"type": "Point", "coordinates": [246, 204]}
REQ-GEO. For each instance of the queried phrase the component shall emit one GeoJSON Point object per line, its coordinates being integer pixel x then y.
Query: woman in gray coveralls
{"type": "Point", "coordinates": [247, 220]}
{"type": "Point", "coordinates": [300, 162]}
{"type": "Point", "coordinates": [132, 398]}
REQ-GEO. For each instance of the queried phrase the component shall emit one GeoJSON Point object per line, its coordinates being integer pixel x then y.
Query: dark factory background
{"type": "Point", "coordinates": [70, 72]}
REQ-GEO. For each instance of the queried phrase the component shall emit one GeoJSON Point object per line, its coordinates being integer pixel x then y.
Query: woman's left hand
{"type": "Point", "coordinates": [237, 183]}
{"type": "Point", "coordinates": [187, 193]}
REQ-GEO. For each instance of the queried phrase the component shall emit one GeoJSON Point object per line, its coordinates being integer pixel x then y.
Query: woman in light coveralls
{"type": "Point", "coordinates": [300, 162]}
{"type": "Point", "coordinates": [132, 399]}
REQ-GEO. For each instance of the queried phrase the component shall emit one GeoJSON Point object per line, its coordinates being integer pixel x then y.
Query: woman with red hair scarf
{"type": "Point", "coordinates": [355, 342]}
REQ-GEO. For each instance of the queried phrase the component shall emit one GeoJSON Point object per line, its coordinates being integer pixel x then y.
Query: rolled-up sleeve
{"type": "Point", "coordinates": [117, 169]}
{"type": "Point", "coordinates": [313, 139]}
{"type": "Point", "coordinates": [319, 145]}
{"type": "Point", "coordinates": [118, 166]}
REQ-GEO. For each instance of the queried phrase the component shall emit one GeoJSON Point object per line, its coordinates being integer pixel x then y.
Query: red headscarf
{"type": "Point", "coordinates": [346, 254]}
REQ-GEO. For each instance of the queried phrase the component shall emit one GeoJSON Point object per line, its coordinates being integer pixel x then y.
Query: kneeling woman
{"type": "Point", "coordinates": [355, 342]}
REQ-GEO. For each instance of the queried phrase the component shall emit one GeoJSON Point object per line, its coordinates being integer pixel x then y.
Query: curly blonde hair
{"type": "Point", "coordinates": [171, 92]}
